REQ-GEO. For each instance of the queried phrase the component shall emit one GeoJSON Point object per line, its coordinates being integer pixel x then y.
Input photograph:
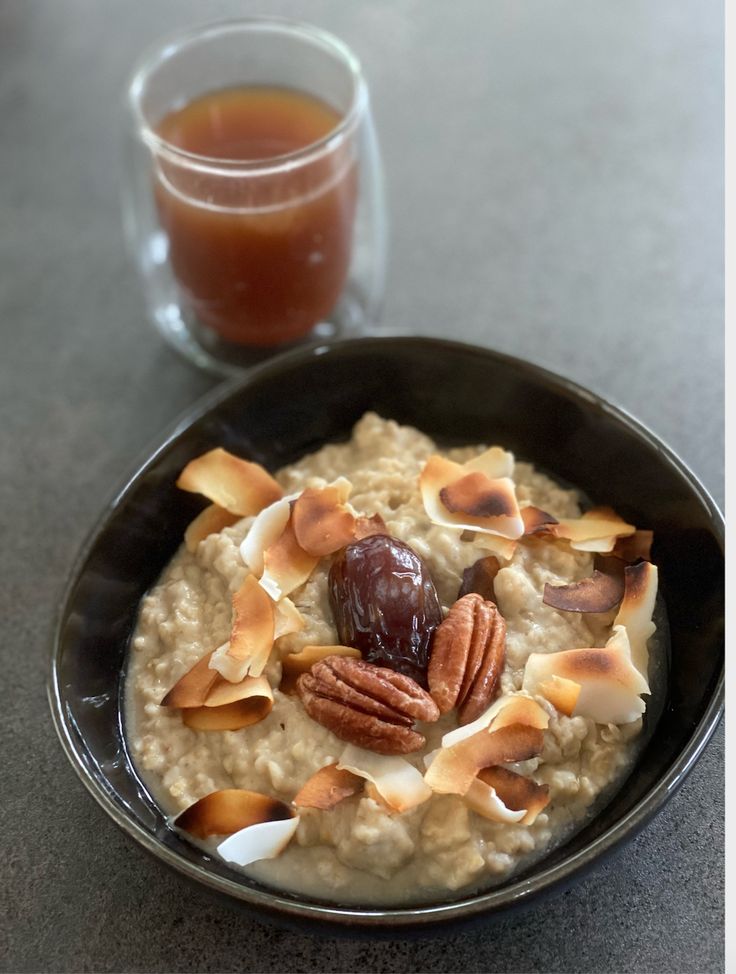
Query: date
{"type": "Point", "coordinates": [385, 604]}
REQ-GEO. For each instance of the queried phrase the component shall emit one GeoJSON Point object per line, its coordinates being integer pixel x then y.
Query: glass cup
{"type": "Point", "coordinates": [253, 197]}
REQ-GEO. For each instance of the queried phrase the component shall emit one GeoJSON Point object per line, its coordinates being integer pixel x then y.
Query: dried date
{"type": "Point", "coordinates": [385, 604]}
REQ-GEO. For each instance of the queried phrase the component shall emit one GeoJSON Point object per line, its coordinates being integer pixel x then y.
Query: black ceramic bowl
{"type": "Point", "coordinates": [457, 394]}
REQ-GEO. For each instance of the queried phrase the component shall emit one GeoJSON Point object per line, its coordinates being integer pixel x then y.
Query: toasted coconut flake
{"type": "Point", "coordinates": [322, 521]}
{"type": "Point", "coordinates": [253, 629]}
{"type": "Point", "coordinates": [517, 792]}
{"type": "Point", "coordinates": [440, 474]}
{"type": "Point", "coordinates": [536, 521]}
{"type": "Point", "coordinates": [602, 546]}
{"type": "Point", "coordinates": [431, 755]}
{"type": "Point", "coordinates": [265, 531]}
{"type": "Point", "coordinates": [209, 521]}
{"type": "Point", "coordinates": [494, 463]}
{"type": "Point", "coordinates": [520, 709]}
{"type": "Point", "coordinates": [610, 565]}
{"type": "Point", "coordinates": [467, 730]}
{"type": "Point", "coordinates": [252, 636]}
{"type": "Point", "coordinates": [399, 783]}
{"type": "Point", "coordinates": [294, 665]}
{"type": "Point", "coordinates": [192, 689]}
{"type": "Point", "coordinates": [635, 546]}
{"type": "Point", "coordinates": [453, 770]}
{"type": "Point", "coordinates": [562, 694]}
{"type": "Point", "coordinates": [286, 564]}
{"type": "Point", "coordinates": [484, 800]}
{"type": "Point", "coordinates": [370, 791]}
{"type": "Point", "coordinates": [241, 487]}
{"type": "Point", "coordinates": [516, 708]}
{"type": "Point", "coordinates": [477, 495]}
{"type": "Point", "coordinates": [224, 665]}
{"type": "Point", "coordinates": [229, 810]}
{"type": "Point", "coordinates": [288, 619]}
{"type": "Point", "coordinates": [500, 548]}
{"type": "Point", "coordinates": [598, 525]}
{"type": "Point", "coordinates": [367, 526]}
{"type": "Point", "coordinates": [479, 578]}
{"type": "Point", "coordinates": [266, 840]}
{"type": "Point", "coordinates": [229, 717]}
{"type": "Point", "coordinates": [597, 593]}
{"type": "Point", "coordinates": [329, 786]}
{"type": "Point", "coordinates": [610, 685]}
{"type": "Point", "coordinates": [251, 688]}
{"type": "Point", "coordinates": [637, 608]}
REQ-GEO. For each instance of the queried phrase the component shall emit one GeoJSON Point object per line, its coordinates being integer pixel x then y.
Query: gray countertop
{"type": "Point", "coordinates": [555, 184]}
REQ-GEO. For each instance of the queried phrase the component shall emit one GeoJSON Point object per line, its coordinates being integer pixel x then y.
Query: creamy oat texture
{"type": "Point", "coordinates": [358, 852]}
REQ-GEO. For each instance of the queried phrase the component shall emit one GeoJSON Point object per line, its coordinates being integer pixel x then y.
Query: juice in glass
{"type": "Point", "coordinates": [261, 252]}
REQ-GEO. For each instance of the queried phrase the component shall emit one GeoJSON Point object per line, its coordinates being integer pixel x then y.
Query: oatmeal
{"type": "Point", "coordinates": [544, 742]}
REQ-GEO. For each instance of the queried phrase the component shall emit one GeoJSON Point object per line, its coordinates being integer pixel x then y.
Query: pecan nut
{"type": "Point", "coordinates": [467, 657]}
{"type": "Point", "coordinates": [370, 706]}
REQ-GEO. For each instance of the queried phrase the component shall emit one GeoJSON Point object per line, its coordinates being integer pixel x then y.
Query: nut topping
{"type": "Point", "coordinates": [467, 658]}
{"type": "Point", "coordinates": [370, 706]}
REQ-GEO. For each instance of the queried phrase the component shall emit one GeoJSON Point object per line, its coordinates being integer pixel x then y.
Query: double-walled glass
{"type": "Point", "coordinates": [240, 257]}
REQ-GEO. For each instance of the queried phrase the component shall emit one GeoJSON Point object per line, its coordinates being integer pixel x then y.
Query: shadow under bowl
{"type": "Point", "coordinates": [457, 394]}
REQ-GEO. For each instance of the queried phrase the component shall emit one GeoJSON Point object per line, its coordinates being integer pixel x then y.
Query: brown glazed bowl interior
{"type": "Point", "coordinates": [457, 394]}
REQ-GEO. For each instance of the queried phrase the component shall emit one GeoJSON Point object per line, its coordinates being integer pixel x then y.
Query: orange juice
{"type": "Point", "coordinates": [262, 249]}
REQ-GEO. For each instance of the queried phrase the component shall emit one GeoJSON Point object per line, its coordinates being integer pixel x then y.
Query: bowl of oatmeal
{"type": "Point", "coordinates": [480, 673]}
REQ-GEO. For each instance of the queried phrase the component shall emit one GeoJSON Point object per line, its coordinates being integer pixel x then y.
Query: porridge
{"type": "Point", "coordinates": [398, 674]}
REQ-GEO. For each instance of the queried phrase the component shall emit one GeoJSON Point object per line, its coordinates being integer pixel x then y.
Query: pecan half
{"type": "Point", "coordinates": [467, 657]}
{"type": "Point", "coordinates": [370, 706]}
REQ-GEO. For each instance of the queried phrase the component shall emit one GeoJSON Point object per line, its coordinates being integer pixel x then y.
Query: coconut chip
{"type": "Point", "coordinates": [192, 689]}
{"type": "Point", "coordinates": [286, 564]}
{"type": "Point", "coordinates": [232, 706]}
{"type": "Point", "coordinates": [247, 651]}
{"type": "Point", "coordinates": [479, 578]}
{"type": "Point", "coordinates": [597, 593]}
{"type": "Point", "coordinates": [454, 768]}
{"type": "Point", "coordinates": [323, 523]}
{"type": "Point", "coordinates": [398, 783]}
{"type": "Point", "coordinates": [637, 607]}
{"type": "Point", "coordinates": [635, 546]}
{"type": "Point", "coordinates": [295, 664]}
{"type": "Point", "coordinates": [494, 462]}
{"type": "Point", "coordinates": [329, 786]}
{"type": "Point", "coordinates": [610, 685]}
{"type": "Point", "coordinates": [484, 800]}
{"type": "Point", "coordinates": [509, 709]}
{"type": "Point", "coordinates": [265, 531]}
{"type": "Point", "coordinates": [596, 530]}
{"type": "Point", "coordinates": [562, 694]}
{"type": "Point", "coordinates": [230, 810]}
{"type": "Point", "coordinates": [499, 547]}
{"type": "Point", "coordinates": [287, 619]}
{"type": "Point", "coordinates": [367, 526]}
{"type": "Point", "coordinates": [211, 520]}
{"type": "Point", "coordinates": [536, 521]}
{"type": "Point", "coordinates": [266, 840]}
{"type": "Point", "coordinates": [466, 497]}
{"type": "Point", "coordinates": [241, 487]}
{"type": "Point", "coordinates": [516, 792]}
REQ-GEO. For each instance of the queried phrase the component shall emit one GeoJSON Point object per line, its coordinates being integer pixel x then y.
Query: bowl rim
{"type": "Point", "coordinates": [398, 918]}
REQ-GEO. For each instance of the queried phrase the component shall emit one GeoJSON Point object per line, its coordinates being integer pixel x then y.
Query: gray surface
{"type": "Point", "coordinates": [555, 187]}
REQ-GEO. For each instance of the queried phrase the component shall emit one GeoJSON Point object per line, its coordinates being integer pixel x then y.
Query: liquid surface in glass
{"type": "Point", "coordinates": [261, 251]}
